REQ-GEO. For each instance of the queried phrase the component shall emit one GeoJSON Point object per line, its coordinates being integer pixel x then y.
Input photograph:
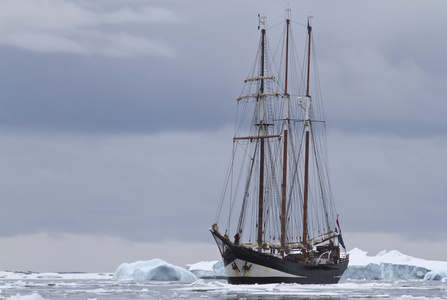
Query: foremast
{"type": "Point", "coordinates": [261, 95]}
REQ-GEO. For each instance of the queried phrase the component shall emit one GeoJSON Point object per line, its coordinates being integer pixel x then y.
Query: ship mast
{"type": "Point", "coordinates": [286, 128]}
{"type": "Point", "coordinates": [261, 134]}
{"type": "Point", "coordinates": [307, 128]}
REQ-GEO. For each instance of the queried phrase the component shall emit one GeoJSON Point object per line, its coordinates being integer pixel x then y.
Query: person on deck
{"type": "Point", "coordinates": [237, 239]}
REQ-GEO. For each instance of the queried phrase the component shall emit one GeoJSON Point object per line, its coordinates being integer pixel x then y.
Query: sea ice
{"type": "Point", "coordinates": [155, 269]}
{"type": "Point", "coordinates": [34, 296]}
{"type": "Point", "coordinates": [96, 286]}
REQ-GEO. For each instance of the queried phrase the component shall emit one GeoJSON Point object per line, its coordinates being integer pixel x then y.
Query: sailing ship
{"type": "Point", "coordinates": [287, 229]}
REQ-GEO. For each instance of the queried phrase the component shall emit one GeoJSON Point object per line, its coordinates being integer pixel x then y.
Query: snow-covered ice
{"type": "Point", "coordinates": [155, 269]}
{"type": "Point", "coordinates": [34, 296]}
{"type": "Point", "coordinates": [208, 269]}
{"type": "Point", "coordinates": [359, 257]}
{"type": "Point", "coordinates": [19, 276]}
{"type": "Point", "coordinates": [436, 275]}
{"type": "Point", "coordinates": [345, 290]}
{"type": "Point", "coordinates": [392, 265]}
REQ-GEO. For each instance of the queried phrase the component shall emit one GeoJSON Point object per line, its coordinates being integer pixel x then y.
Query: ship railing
{"type": "Point", "coordinates": [274, 246]}
{"type": "Point", "coordinates": [344, 258]}
{"type": "Point", "coordinates": [321, 259]}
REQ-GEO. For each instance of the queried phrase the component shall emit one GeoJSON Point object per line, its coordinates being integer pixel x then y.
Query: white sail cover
{"type": "Point", "coordinates": [323, 238]}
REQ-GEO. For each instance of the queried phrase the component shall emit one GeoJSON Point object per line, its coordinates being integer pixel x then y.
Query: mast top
{"type": "Point", "coordinates": [309, 18]}
{"type": "Point", "coordinates": [262, 21]}
{"type": "Point", "coordinates": [288, 10]}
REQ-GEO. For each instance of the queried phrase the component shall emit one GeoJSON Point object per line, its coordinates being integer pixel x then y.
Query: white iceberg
{"type": "Point", "coordinates": [208, 269]}
{"type": "Point", "coordinates": [392, 265]}
{"type": "Point", "coordinates": [359, 257]}
{"type": "Point", "coordinates": [436, 275]}
{"type": "Point", "coordinates": [34, 296]}
{"type": "Point", "coordinates": [155, 269]}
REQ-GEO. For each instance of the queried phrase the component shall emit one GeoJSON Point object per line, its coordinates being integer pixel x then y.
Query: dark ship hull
{"type": "Point", "coordinates": [246, 266]}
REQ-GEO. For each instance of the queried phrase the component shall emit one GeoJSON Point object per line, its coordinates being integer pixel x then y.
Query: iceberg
{"type": "Point", "coordinates": [208, 269]}
{"type": "Point", "coordinates": [436, 275]}
{"type": "Point", "coordinates": [393, 265]}
{"type": "Point", "coordinates": [155, 269]}
{"type": "Point", "coordinates": [385, 271]}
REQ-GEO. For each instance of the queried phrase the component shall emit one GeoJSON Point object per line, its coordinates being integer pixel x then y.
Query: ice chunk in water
{"type": "Point", "coordinates": [155, 269]}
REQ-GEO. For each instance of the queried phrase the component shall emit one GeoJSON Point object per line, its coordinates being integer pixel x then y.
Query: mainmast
{"type": "Point", "coordinates": [307, 128]}
{"type": "Point", "coordinates": [261, 134]}
{"type": "Point", "coordinates": [286, 128]}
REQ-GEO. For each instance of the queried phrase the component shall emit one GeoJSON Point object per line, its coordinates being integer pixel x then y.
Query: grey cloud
{"type": "Point", "coordinates": [140, 187]}
{"type": "Point", "coordinates": [102, 95]}
{"type": "Point", "coordinates": [46, 26]}
{"type": "Point", "coordinates": [390, 184]}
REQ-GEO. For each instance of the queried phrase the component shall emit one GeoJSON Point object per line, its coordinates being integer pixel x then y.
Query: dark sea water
{"type": "Point", "coordinates": [103, 287]}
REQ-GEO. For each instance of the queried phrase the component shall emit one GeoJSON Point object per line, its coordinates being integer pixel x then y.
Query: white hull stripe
{"type": "Point", "coordinates": [241, 268]}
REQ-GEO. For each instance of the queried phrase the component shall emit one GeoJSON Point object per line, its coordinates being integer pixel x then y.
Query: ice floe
{"type": "Point", "coordinates": [34, 296]}
{"type": "Point", "coordinates": [155, 269]}
{"type": "Point", "coordinates": [208, 269]}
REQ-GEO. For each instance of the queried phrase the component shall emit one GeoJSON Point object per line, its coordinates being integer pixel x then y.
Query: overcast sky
{"type": "Point", "coordinates": [116, 124]}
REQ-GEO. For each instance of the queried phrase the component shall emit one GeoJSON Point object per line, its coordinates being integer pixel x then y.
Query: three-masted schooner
{"type": "Point", "coordinates": [287, 229]}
